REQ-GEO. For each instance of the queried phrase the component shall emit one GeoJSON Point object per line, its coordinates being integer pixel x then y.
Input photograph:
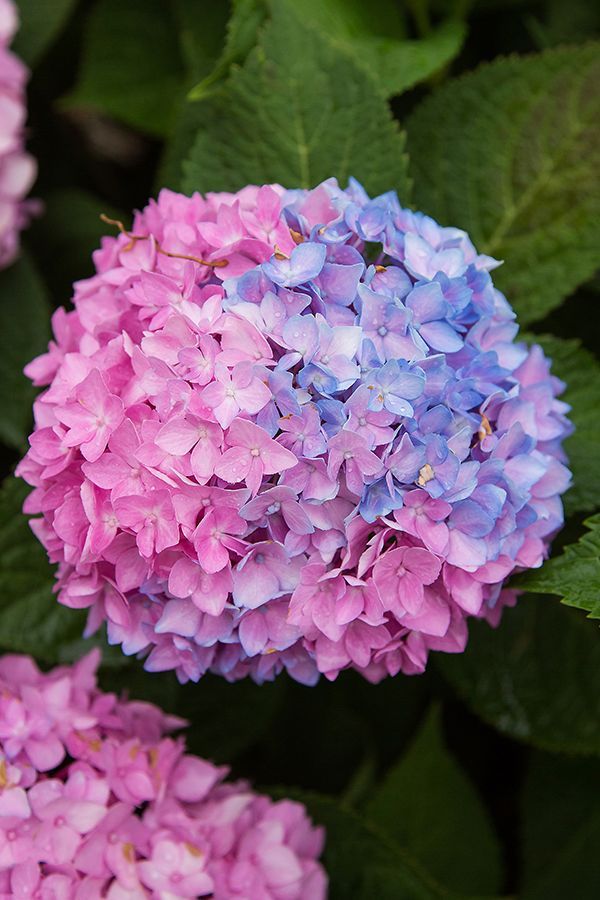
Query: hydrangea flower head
{"type": "Point", "coordinates": [97, 800]}
{"type": "Point", "coordinates": [17, 168]}
{"type": "Point", "coordinates": [292, 430]}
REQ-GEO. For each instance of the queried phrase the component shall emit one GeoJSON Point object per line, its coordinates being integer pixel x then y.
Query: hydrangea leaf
{"type": "Point", "coordinates": [558, 22]}
{"type": "Point", "coordinates": [580, 371]}
{"type": "Point", "coordinates": [443, 822]}
{"type": "Point", "coordinates": [510, 152]}
{"type": "Point", "coordinates": [399, 65]}
{"type": "Point", "coordinates": [351, 19]}
{"type": "Point", "coordinates": [24, 315]}
{"type": "Point", "coordinates": [561, 829]}
{"type": "Point", "coordinates": [362, 861]}
{"type": "Point", "coordinates": [189, 121]}
{"type": "Point", "coordinates": [536, 679]}
{"type": "Point", "coordinates": [69, 229]}
{"type": "Point", "coordinates": [574, 575]}
{"type": "Point", "coordinates": [132, 67]}
{"type": "Point", "coordinates": [31, 621]}
{"type": "Point", "coordinates": [40, 24]}
{"type": "Point", "coordinates": [202, 29]}
{"type": "Point", "coordinates": [375, 34]}
{"type": "Point", "coordinates": [297, 112]}
{"type": "Point", "coordinates": [240, 37]}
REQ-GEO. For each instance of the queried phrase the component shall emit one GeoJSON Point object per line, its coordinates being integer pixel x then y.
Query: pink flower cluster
{"type": "Point", "coordinates": [96, 802]}
{"type": "Point", "coordinates": [291, 429]}
{"type": "Point", "coordinates": [17, 168]}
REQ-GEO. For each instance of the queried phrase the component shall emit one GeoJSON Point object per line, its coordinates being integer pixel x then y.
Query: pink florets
{"type": "Point", "coordinates": [96, 802]}
{"type": "Point", "coordinates": [291, 429]}
{"type": "Point", "coordinates": [17, 168]}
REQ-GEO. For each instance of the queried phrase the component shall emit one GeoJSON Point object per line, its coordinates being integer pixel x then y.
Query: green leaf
{"type": "Point", "coordinates": [24, 316]}
{"type": "Point", "coordinates": [372, 722]}
{"type": "Point", "coordinates": [349, 20]}
{"type": "Point", "coordinates": [536, 678]}
{"type": "Point", "coordinates": [399, 65]}
{"type": "Point", "coordinates": [31, 620]}
{"type": "Point", "coordinates": [40, 24]}
{"type": "Point", "coordinates": [429, 806]}
{"type": "Point", "coordinates": [580, 371]}
{"type": "Point", "coordinates": [65, 237]}
{"type": "Point", "coordinates": [562, 23]}
{"type": "Point", "coordinates": [510, 152]}
{"type": "Point", "coordinates": [375, 35]}
{"type": "Point", "coordinates": [561, 829]}
{"type": "Point", "coordinates": [201, 25]}
{"type": "Point", "coordinates": [190, 119]}
{"type": "Point", "coordinates": [297, 112]}
{"type": "Point", "coordinates": [574, 575]}
{"type": "Point", "coordinates": [241, 35]}
{"type": "Point", "coordinates": [361, 860]}
{"type": "Point", "coordinates": [132, 67]}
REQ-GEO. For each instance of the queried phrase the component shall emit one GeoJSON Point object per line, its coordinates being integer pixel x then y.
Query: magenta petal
{"type": "Point", "coordinates": [254, 585]}
{"type": "Point", "coordinates": [296, 519]}
{"type": "Point", "coordinates": [45, 754]}
{"type": "Point", "coordinates": [253, 633]}
{"type": "Point", "coordinates": [179, 617]}
{"type": "Point", "coordinates": [212, 555]}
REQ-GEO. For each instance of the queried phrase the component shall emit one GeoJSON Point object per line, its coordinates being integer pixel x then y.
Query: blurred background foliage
{"type": "Point", "coordinates": [482, 777]}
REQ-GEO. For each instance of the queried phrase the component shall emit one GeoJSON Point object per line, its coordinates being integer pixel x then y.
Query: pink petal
{"type": "Point", "coordinates": [177, 437]}
{"type": "Point", "coordinates": [422, 563]}
{"type": "Point", "coordinates": [253, 397]}
{"type": "Point", "coordinates": [204, 459]}
{"type": "Point", "coordinates": [180, 617]}
{"type": "Point", "coordinates": [45, 754]}
{"type": "Point", "coordinates": [296, 519]}
{"type": "Point", "coordinates": [212, 555]}
{"type": "Point", "coordinates": [234, 465]}
{"type": "Point", "coordinates": [253, 633]}
{"type": "Point", "coordinates": [183, 577]}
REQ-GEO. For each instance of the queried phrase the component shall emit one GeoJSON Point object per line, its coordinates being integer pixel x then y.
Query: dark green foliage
{"type": "Point", "coordinates": [65, 237]}
{"type": "Point", "coordinates": [23, 333]}
{"type": "Point", "coordinates": [240, 37]}
{"type": "Point", "coordinates": [292, 111]}
{"type": "Point", "coordinates": [131, 66]}
{"type": "Point", "coordinates": [510, 153]}
{"type": "Point", "coordinates": [575, 574]}
{"type": "Point", "coordinates": [580, 371]}
{"type": "Point", "coordinates": [537, 678]}
{"type": "Point", "coordinates": [374, 34]}
{"type": "Point", "coordinates": [363, 861]}
{"type": "Point", "coordinates": [560, 851]}
{"type": "Point", "coordinates": [41, 23]}
{"type": "Point", "coordinates": [428, 805]}
{"type": "Point", "coordinates": [31, 621]}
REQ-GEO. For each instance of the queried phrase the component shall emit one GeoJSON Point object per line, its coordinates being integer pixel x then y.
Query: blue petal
{"type": "Point", "coordinates": [305, 262]}
{"type": "Point", "coordinates": [441, 336]}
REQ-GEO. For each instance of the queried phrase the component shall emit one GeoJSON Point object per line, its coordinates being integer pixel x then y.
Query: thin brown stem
{"type": "Point", "coordinates": [133, 238]}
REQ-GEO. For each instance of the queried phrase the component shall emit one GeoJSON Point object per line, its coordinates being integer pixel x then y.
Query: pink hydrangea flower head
{"type": "Point", "coordinates": [292, 430]}
{"type": "Point", "coordinates": [17, 168]}
{"type": "Point", "coordinates": [98, 800]}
